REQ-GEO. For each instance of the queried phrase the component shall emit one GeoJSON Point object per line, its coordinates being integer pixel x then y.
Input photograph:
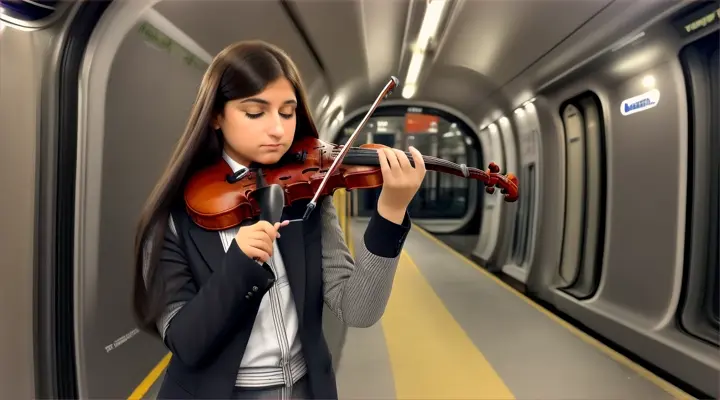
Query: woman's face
{"type": "Point", "coordinates": [260, 128]}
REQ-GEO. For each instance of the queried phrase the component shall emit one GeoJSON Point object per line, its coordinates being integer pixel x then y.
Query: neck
{"type": "Point", "coordinates": [369, 157]}
{"type": "Point", "coordinates": [234, 160]}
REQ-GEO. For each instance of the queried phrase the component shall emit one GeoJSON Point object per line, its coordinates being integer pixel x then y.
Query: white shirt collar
{"type": "Point", "coordinates": [234, 165]}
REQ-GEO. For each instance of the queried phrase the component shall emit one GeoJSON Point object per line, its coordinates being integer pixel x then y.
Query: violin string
{"type": "Point", "coordinates": [363, 155]}
{"type": "Point", "coordinates": [435, 160]}
{"type": "Point", "coordinates": [372, 154]}
{"type": "Point", "coordinates": [428, 159]}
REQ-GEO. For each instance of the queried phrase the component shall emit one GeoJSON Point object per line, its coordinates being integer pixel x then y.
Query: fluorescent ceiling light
{"type": "Point", "coordinates": [431, 21]}
{"type": "Point", "coordinates": [428, 30]}
{"type": "Point", "coordinates": [414, 68]}
{"type": "Point", "coordinates": [648, 81]}
{"type": "Point", "coordinates": [409, 90]}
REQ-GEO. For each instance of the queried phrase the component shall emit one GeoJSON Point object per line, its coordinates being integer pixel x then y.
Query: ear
{"type": "Point", "coordinates": [215, 122]}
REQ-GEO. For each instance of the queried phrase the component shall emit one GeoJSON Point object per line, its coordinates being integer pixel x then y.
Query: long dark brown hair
{"type": "Point", "coordinates": [240, 70]}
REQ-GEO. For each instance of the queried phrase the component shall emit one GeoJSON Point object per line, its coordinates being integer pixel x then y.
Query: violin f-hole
{"type": "Point", "coordinates": [312, 169]}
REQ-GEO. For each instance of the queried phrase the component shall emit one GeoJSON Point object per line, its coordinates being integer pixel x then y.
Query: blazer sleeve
{"type": "Point", "coordinates": [357, 291]}
{"type": "Point", "coordinates": [198, 322]}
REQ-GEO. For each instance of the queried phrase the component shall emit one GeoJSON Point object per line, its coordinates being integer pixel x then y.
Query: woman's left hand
{"type": "Point", "coordinates": [401, 181]}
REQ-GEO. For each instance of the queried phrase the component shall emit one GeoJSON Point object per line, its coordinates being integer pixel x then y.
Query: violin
{"type": "Point", "coordinates": [218, 199]}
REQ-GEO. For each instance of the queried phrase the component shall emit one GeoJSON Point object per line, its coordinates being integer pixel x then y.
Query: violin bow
{"type": "Point", "coordinates": [387, 90]}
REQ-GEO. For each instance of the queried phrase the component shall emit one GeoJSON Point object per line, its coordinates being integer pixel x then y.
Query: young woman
{"type": "Point", "coordinates": [241, 309]}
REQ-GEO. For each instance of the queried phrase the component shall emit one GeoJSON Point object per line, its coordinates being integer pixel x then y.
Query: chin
{"type": "Point", "coordinates": [269, 159]}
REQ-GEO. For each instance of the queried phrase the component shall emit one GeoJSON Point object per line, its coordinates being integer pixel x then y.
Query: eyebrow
{"type": "Point", "coordinates": [262, 101]}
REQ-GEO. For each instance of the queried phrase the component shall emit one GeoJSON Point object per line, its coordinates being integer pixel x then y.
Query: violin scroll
{"type": "Point", "coordinates": [508, 184]}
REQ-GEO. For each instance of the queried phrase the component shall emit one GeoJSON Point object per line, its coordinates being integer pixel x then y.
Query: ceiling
{"type": "Point", "coordinates": [490, 55]}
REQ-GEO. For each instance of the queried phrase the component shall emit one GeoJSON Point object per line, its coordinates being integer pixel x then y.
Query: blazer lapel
{"type": "Point", "coordinates": [292, 247]}
{"type": "Point", "coordinates": [208, 244]}
{"type": "Point", "coordinates": [291, 244]}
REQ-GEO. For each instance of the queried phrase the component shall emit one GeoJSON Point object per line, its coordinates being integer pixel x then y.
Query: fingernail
{"type": "Point", "coordinates": [412, 147]}
{"type": "Point", "coordinates": [278, 234]}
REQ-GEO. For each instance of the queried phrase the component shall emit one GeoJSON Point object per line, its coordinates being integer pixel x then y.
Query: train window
{"type": "Point", "coordinates": [433, 133]}
{"type": "Point", "coordinates": [712, 302]}
{"type": "Point", "coordinates": [585, 202]}
{"type": "Point", "coordinates": [700, 311]}
{"type": "Point", "coordinates": [525, 215]}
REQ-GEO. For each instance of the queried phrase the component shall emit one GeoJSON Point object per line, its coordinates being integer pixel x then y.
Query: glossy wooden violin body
{"type": "Point", "coordinates": [217, 198]}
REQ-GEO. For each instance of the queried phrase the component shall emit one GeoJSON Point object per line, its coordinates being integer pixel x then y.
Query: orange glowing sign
{"type": "Point", "coordinates": [421, 123]}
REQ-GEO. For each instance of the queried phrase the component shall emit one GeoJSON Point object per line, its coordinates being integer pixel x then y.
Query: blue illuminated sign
{"type": "Point", "coordinates": [28, 10]}
{"type": "Point", "coordinates": [639, 103]}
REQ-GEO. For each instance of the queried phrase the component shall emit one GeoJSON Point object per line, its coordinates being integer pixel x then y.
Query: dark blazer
{"type": "Point", "coordinates": [220, 294]}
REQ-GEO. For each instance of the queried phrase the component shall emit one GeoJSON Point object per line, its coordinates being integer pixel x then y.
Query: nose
{"type": "Point", "coordinates": [276, 127]}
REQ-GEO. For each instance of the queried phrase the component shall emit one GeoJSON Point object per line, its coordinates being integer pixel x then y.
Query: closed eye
{"type": "Point", "coordinates": [260, 114]}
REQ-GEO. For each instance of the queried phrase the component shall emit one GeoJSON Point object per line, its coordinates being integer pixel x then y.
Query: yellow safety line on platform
{"type": "Point", "coordinates": [430, 354]}
{"type": "Point", "coordinates": [661, 383]}
{"type": "Point", "coordinates": [145, 385]}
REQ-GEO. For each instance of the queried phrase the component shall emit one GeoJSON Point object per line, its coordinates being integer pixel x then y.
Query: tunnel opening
{"type": "Point", "coordinates": [433, 132]}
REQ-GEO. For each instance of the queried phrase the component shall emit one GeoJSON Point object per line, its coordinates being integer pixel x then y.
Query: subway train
{"type": "Point", "coordinates": [606, 110]}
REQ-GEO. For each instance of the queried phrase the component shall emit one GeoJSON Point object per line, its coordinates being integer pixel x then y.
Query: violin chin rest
{"type": "Point", "coordinates": [272, 202]}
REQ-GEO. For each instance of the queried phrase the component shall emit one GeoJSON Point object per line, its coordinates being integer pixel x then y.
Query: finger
{"type": "Point", "coordinates": [280, 225]}
{"type": "Point", "coordinates": [384, 165]}
{"type": "Point", "coordinates": [264, 226]}
{"type": "Point", "coordinates": [263, 236]}
{"type": "Point", "coordinates": [418, 160]}
{"type": "Point", "coordinates": [392, 159]}
{"type": "Point", "coordinates": [403, 160]}
{"type": "Point", "coordinates": [277, 226]}
{"type": "Point", "coordinates": [258, 255]}
{"type": "Point", "coordinates": [262, 245]}
{"type": "Point", "coordinates": [256, 252]}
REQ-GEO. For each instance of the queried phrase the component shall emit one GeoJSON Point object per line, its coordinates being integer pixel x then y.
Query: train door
{"type": "Point", "coordinates": [487, 242]}
{"type": "Point", "coordinates": [510, 211]}
{"type": "Point", "coordinates": [41, 44]}
{"type": "Point", "coordinates": [583, 238]}
{"type": "Point", "coordinates": [713, 302]}
{"type": "Point", "coordinates": [22, 349]}
{"type": "Point", "coordinates": [699, 311]}
{"type": "Point", "coordinates": [523, 231]}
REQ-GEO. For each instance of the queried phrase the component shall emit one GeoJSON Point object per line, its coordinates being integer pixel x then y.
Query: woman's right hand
{"type": "Point", "coordinates": [256, 240]}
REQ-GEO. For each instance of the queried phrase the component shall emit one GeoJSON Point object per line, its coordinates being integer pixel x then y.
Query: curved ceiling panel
{"type": "Point", "coordinates": [499, 39]}
{"type": "Point", "coordinates": [600, 32]}
{"type": "Point", "coordinates": [358, 42]}
{"type": "Point", "coordinates": [215, 24]}
{"type": "Point", "coordinates": [458, 87]}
